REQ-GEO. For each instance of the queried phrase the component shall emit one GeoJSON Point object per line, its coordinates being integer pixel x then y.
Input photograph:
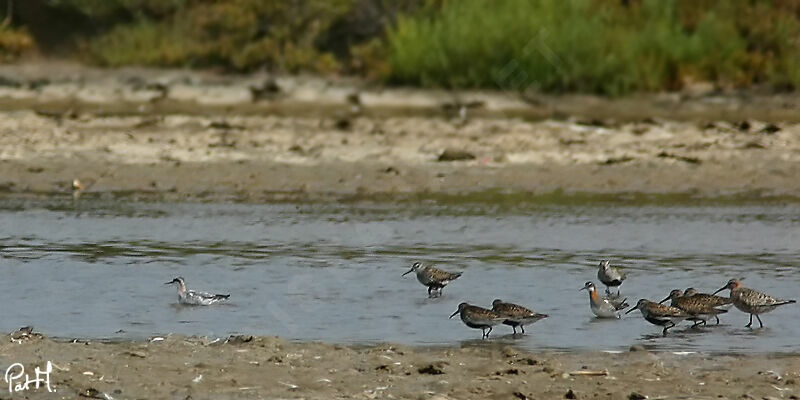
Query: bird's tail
{"type": "Point", "coordinates": [221, 296]}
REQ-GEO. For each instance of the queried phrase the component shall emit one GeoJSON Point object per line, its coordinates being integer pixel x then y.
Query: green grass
{"type": "Point", "coordinates": [610, 47]}
{"type": "Point", "coordinates": [594, 46]}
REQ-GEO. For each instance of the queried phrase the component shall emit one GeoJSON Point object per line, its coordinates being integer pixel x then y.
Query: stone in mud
{"type": "Point", "coordinates": [455, 155]}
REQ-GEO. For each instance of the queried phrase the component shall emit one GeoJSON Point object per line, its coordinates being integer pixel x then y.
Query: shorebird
{"type": "Point", "coordinates": [659, 314]}
{"type": "Point", "coordinates": [722, 303]}
{"type": "Point", "coordinates": [604, 306]}
{"type": "Point", "coordinates": [191, 297]}
{"type": "Point", "coordinates": [701, 308]}
{"type": "Point", "coordinates": [610, 276]}
{"type": "Point", "coordinates": [516, 315]}
{"type": "Point", "coordinates": [752, 301]}
{"type": "Point", "coordinates": [479, 318]}
{"type": "Point", "coordinates": [434, 278]}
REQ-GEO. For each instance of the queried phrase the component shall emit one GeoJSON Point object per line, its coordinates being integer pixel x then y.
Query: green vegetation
{"type": "Point", "coordinates": [609, 47]}
{"type": "Point", "coordinates": [236, 34]}
{"type": "Point", "coordinates": [597, 46]}
{"type": "Point", "coordinates": [14, 42]}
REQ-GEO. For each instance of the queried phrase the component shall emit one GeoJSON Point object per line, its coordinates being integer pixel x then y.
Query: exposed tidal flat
{"type": "Point", "coordinates": [246, 367]}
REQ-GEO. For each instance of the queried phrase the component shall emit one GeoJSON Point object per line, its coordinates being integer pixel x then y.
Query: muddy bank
{"type": "Point", "coordinates": [267, 158]}
{"type": "Point", "coordinates": [63, 87]}
{"type": "Point", "coordinates": [268, 367]}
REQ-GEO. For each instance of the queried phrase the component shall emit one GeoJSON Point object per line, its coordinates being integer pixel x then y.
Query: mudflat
{"type": "Point", "coordinates": [268, 367]}
{"type": "Point", "coordinates": [267, 158]}
{"type": "Point", "coordinates": [191, 135]}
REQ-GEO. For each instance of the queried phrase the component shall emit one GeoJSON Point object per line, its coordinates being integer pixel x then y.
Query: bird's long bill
{"type": "Point", "coordinates": [720, 289]}
{"type": "Point", "coordinates": [631, 310]}
{"type": "Point", "coordinates": [167, 283]}
{"type": "Point", "coordinates": [454, 314]}
{"type": "Point", "coordinates": [665, 299]}
{"type": "Point", "coordinates": [409, 271]}
{"type": "Point", "coordinates": [583, 288]}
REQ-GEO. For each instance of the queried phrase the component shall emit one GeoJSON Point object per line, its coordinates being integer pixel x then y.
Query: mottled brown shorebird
{"type": "Point", "coordinates": [659, 314]}
{"type": "Point", "coordinates": [752, 301]}
{"type": "Point", "coordinates": [722, 303]}
{"type": "Point", "coordinates": [479, 318]}
{"type": "Point", "coordinates": [701, 308]}
{"type": "Point", "coordinates": [610, 276]}
{"type": "Point", "coordinates": [516, 315]}
{"type": "Point", "coordinates": [434, 278]}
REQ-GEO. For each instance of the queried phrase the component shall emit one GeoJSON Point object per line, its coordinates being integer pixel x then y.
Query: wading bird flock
{"type": "Point", "coordinates": [686, 305]}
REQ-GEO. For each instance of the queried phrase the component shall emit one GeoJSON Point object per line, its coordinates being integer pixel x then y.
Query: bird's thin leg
{"type": "Point", "coordinates": [717, 319]}
{"type": "Point", "coordinates": [667, 327]}
{"type": "Point", "coordinates": [751, 322]}
{"type": "Point", "coordinates": [429, 290]}
{"type": "Point", "coordinates": [523, 328]}
{"type": "Point", "coordinates": [515, 329]}
{"type": "Point", "coordinates": [761, 324]}
{"type": "Point", "coordinates": [488, 332]}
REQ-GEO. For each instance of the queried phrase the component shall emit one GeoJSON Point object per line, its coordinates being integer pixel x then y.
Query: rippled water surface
{"type": "Point", "coordinates": [333, 272]}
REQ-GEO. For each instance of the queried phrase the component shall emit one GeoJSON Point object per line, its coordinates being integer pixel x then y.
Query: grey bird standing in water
{"type": "Point", "coordinates": [434, 278]}
{"type": "Point", "coordinates": [516, 315]}
{"type": "Point", "coordinates": [752, 301]}
{"type": "Point", "coordinates": [659, 314]}
{"type": "Point", "coordinates": [479, 318]}
{"type": "Point", "coordinates": [701, 308]}
{"type": "Point", "coordinates": [610, 276]}
{"type": "Point", "coordinates": [604, 306]}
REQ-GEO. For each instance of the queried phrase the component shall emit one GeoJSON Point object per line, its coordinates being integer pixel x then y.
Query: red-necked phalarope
{"type": "Point", "coordinates": [195, 298]}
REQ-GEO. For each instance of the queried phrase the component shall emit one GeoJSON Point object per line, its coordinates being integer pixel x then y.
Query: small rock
{"type": "Point", "coordinates": [238, 339]}
{"type": "Point", "coordinates": [570, 395]}
{"type": "Point", "coordinates": [520, 396]}
{"type": "Point", "coordinates": [636, 396]}
{"type": "Point", "coordinates": [343, 123]}
{"type": "Point", "coordinates": [637, 347]}
{"type": "Point", "coordinates": [265, 90]}
{"type": "Point", "coordinates": [743, 126]}
{"type": "Point", "coordinates": [391, 170]}
{"type": "Point", "coordinates": [618, 160]}
{"type": "Point", "coordinates": [770, 128]}
{"type": "Point", "coordinates": [91, 393]}
{"type": "Point", "coordinates": [224, 125]}
{"type": "Point", "coordinates": [753, 145]}
{"type": "Point", "coordinates": [508, 352]}
{"type": "Point", "coordinates": [430, 370]}
{"type": "Point", "coordinates": [455, 155]}
{"type": "Point", "coordinates": [135, 354]}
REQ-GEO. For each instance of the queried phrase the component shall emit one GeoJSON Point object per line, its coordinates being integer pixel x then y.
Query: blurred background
{"type": "Point", "coordinates": [589, 46]}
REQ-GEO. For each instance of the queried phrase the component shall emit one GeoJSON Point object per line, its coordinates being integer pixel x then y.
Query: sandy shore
{"type": "Point", "coordinates": [266, 367]}
{"type": "Point", "coordinates": [177, 134]}
{"type": "Point", "coordinates": [267, 158]}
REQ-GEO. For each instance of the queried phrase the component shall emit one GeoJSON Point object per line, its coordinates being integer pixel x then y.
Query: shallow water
{"type": "Point", "coordinates": [333, 272]}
